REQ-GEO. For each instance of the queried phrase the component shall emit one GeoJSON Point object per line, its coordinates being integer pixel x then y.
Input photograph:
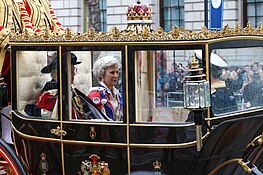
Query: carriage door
{"type": "Point", "coordinates": [94, 142]}
{"type": "Point", "coordinates": [35, 119]}
{"type": "Point", "coordinates": [162, 133]}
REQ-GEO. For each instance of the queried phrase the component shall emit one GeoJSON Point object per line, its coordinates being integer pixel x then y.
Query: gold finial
{"type": "Point", "coordinates": [194, 63]}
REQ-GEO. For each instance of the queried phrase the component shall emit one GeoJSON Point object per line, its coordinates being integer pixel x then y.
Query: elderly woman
{"type": "Point", "coordinates": [107, 98]}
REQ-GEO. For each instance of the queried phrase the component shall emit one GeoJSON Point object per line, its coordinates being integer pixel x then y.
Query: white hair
{"type": "Point", "coordinates": [101, 65]}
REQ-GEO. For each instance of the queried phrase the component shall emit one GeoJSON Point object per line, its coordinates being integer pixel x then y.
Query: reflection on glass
{"type": "Point", "coordinates": [238, 82]}
{"type": "Point", "coordinates": [159, 85]}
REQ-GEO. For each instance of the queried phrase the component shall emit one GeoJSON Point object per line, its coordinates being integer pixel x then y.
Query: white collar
{"type": "Point", "coordinates": [115, 91]}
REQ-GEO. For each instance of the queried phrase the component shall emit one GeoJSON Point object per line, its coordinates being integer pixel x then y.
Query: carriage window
{"type": "Point", "coordinates": [159, 76]}
{"type": "Point", "coordinates": [37, 83]}
{"type": "Point", "coordinates": [96, 86]}
{"type": "Point", "coordinates": [237, 79]}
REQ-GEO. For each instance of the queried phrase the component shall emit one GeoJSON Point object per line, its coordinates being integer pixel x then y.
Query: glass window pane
{"type": "Point", "coordinates": [181, 3]}
{"type": "Point", "coordinates": [101, 4]}
{"type": "Point", "coordinates": [159, 78]}
{"type": "Point", "coordinates": [240, 79]}
{"type": "Point", "coordinates": [259, 19]}
{"type": "Point", "coordinates": [252, 21]}
{"type": "Point", "coordinates": [250, 10]}
{"type": "Point", "coordinates": [103, 15]}
{"type": "Point", "coordinates": [167, 13]}
{"type": "Point", "coordinates": [175, 22]}
{"type": "Point", "coordinates": [97, 81]}
{"type": "Point", "coordinates": [167, 25]}
{"type": "Point", "coordinates": [166, 3]}
{"type": "Point", "coordinates": [259, 9]}
{"type": "Point", "coordinates": [37, 83]}
{"type": "Point", "coordinates": [174, 3]}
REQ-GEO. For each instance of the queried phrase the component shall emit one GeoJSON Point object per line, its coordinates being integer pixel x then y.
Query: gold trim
{"type": "Point", "coordinates": [256, 141]}
{"type": "Point", "coordinates": [235, 114]}
{"type": "Point", "coordinates": [175, 34]}
{"type": "Point", "coordinates": [127, 110]}
{"type": "Point", "coordinates": [69, 141]}
{"type": "Point", "coordinates": [61, 124]}
{"type": "Point", "coordinates": [235, 38]}
{"type": "Point", "coordinates": [223, 164]}
{"type": "Point", "coordinates": [172, 125]}
{"type": "Point", "coordinates": [207, 77]}
{"type": "Point", "coordinates": [87, 122]}
{"type": "Point", "coordinates": [34, 137]}
{"type": "Point", "coordinates": [81, 43]}
{"type": "Point", "coordinates": [94, 143]}
{"type": "Point", "coordinates": [132, 43]}
{"type": "Point", "coordinates": [35, 120]}
{"type": "Point", "coordinates": [244, 166]}
{"type": "Point", "coordinates": [164, 145]}
{"type": "Point", "coordinates": [69, 122]}
{"type": "Point", "coordinates": [62, 158]}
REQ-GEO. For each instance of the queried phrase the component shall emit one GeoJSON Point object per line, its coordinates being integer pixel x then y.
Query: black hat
{"type": "Point", "coordinates": [53, 64]}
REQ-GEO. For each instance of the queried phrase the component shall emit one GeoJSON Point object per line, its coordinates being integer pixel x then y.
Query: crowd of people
{"type": "Point", "coordinates": [170, 81]}
{"type": "Point", "coordinates": [246, 82]}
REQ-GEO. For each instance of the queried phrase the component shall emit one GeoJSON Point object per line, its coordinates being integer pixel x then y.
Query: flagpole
{"type": "Point", "coordinates": [206, 12]}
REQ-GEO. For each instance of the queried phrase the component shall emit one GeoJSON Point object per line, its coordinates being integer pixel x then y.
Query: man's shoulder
{"type": "Point", "coordinates": [50, 85]}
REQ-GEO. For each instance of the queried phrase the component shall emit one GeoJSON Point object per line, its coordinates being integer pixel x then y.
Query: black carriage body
{"type": "Point", "coordinates": [134, 145]}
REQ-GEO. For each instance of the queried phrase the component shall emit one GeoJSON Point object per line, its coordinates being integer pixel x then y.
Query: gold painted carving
{"type": "Point", "coordinates": [58, 132]}
{"type": "Point", "coordinates": [146, 34]}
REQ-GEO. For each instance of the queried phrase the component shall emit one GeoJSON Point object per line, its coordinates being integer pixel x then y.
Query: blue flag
{"type": "Point", "coordinates": [216, 14]}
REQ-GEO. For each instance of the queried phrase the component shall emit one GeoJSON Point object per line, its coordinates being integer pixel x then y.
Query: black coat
{"type": "Point", "coordinates": [253, 93]}
{"type": "Point", "coordinates": [223, 100]}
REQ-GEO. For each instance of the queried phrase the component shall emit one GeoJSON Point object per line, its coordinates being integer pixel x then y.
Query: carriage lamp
{"type": "Point", "coordinates": [196, 96]}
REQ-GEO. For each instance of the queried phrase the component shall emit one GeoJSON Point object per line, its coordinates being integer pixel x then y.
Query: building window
{"type": "Point", "coordinates": [254, 12]}
{"type": "Point", "coordinates": [103, 15]}
{"type": "Point", "coordinates": [171, 13]}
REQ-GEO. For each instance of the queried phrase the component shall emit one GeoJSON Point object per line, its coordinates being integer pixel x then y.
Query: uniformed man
{"type": "Point", "coordinates": [222, 99]}
{"type": "Point", "coordinates": [47, 98]}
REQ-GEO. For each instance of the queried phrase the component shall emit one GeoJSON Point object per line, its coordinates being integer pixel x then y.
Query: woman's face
{"type": "Point", "coordinates": [111, 76]}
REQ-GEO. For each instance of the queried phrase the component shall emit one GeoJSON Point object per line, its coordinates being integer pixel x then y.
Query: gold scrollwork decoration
{"type": "Point", "coordinates": [132, 34]}
{"type": "Point", "coordinates": [58, 132]}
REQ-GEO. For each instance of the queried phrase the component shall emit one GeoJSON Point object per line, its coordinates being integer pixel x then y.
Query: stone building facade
{"type": "Point", "coordinates": [72, 13]}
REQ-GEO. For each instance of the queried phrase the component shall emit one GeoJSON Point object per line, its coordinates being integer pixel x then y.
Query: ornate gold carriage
{"type": "Point", "coordinates": [156, 134]}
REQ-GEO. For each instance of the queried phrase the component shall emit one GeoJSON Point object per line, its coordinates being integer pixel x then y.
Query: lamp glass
{"type": "Point", "coordinates": [196, 95]}
{"type": "Point", "coordinates": [191, 95]}
{"type": "Point", "coordinates": [207, 94]}
{"type": "Point", "coordinates": [202, 95]}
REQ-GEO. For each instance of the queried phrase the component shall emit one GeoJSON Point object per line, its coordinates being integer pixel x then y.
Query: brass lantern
{"type": "Point", "coordinates": [196, 96]}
